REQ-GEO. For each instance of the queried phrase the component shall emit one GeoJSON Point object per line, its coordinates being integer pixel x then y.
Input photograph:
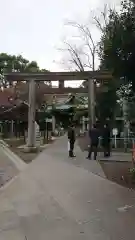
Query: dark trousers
{"type": "Point", "coordinates": [93, 148]}
{"type": "Point", "coordinates": [107, 149]}
{"type": "Point", "coordinates": [71, 151]}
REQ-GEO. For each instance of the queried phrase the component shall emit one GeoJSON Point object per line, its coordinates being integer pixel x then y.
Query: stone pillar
{"type": "Point", "coordinates": [83, 124]}
{"type": "Point", "coordinates": [31, 114]}
{"type": "Point", "coordinates": [53, 124]}
{"type": "Point", "coordinates": [91, 102]}
{"type": "Point", "coordinates": [12, 128]}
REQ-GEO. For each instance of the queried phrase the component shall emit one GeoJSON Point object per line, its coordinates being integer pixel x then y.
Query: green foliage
{"type": "Point", "coordinates": [132, 172]}
{"type": "Point", "coordinates": [117, 52]}
{"type": "Point", "coordinates": [10, 63]}
{"type": "Point", "coordinates": [106, 103]}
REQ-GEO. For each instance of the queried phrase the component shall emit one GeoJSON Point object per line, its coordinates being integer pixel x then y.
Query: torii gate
{"type": "Point", "coordinates": [32, 78]}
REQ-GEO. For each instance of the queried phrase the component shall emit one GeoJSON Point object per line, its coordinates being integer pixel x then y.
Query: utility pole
{"type": "Point", "coordinates": [91, 102]}
{"type": "Point", "coordinates": [31, 114]}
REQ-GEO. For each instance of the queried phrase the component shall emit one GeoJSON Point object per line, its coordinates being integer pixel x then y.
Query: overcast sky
{"type": "Point", "coordinates": [35, 28]}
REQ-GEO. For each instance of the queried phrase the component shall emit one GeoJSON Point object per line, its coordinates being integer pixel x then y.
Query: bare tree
{"type": "Point", "coordinates": [75, 57]}
{"type": "Point", "coordinates": [101, 19]}
{"type": "Point", "coordinates": [82, 56]}
{"type": "Point", "coordinates": [89, 46]}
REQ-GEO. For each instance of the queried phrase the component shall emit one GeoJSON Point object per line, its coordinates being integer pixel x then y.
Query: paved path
{"type": "Point", "coordinates": [80, 161]}
{"type": "Point", "coordinates": [8, 169]}
{"type": "Point", "coordinates": [54, 199]}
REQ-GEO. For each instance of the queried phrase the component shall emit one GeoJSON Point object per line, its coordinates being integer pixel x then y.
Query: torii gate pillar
{"type": "Point", "coordinates": [91, 102]}
{"type": "Point", "coordinates": [31, 115]}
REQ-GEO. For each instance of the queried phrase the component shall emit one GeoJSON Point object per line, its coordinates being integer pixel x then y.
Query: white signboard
{"type": "Point", "coordinates": [115, 131]}
{"type": "Point", "coordinates": [49, 120]}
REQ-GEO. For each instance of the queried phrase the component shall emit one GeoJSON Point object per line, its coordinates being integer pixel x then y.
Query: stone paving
{"type": "Point", "coordinates": [52, 198]}
{"type": "Point", "coordinates": [8, 170]}
{"type": "Point", "coordinates": [80, 160]}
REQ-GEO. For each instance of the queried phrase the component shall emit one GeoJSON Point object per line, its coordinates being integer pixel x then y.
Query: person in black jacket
{"type": "Point", "coordinates": [94, 135]}
{"type": "Point", "coordinates": [71, 139]}
{"type": "Point", "coordinates": [106, 139]}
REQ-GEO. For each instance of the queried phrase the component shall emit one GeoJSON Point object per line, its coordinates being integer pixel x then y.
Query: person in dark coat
{"type": "Point", "coordinates": [106, 139]}
{"type": "Point", "coordinates": [71, 139]}
{"type": "Point", "coordinates": [94, 135]}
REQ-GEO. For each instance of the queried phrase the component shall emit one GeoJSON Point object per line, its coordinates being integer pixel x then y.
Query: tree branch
{"type": "Point", "coordinates": [104, 16]}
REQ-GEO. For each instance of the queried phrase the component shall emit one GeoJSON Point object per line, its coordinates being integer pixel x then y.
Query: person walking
{"type": "Point", "coordinates": [94, 141]}
{"type": "Point", "coordinates": [106, 139]}
{"type": "Point", "coordinates": [71, 140]}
